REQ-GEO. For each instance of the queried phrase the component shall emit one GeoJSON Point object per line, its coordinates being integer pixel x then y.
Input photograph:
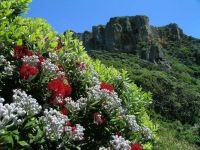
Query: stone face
{"type": "Point", "coordinates": [132, 34]}
{"type": "Point", "coordinates": [124, 33]}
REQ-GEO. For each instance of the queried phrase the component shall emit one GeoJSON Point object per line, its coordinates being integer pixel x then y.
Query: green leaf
{"type": "Point", "coordinates": [19, 42]}
{"type": "Point", "coordinates": [23, 143]}
{"type": "Point", "coordinates": [9, 140]}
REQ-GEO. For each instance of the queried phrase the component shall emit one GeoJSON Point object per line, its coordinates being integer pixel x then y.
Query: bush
{"type": "Point", "coordinates": [53, 96]}
{"type": "Point", "coordinates": [175, 92]}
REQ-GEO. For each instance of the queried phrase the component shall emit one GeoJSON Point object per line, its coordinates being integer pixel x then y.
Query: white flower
{"type": "Point", "coordinates": [49, 67]}
{"type": "Point", "coordinates": [8, 69]}
{"type": "Point", "coordinates": [2, 100]}
{"type": "Point", "coordinates": [54, 123]}
{"type": "Point", "coordinates": [147, 132]}
{"type": "Point", "coordinates": [2, 59]}
{"type": "Point", "coordinates": [119, 143]}
{"type": "Point", "coordinates": [53, 56]}
{"type": "Point", "coordinates": [60, 74]}
{"type": "Point", "coordinates": [133, 123]}
{"type": "Point", "coordinates": [23, 105]}
{"type": "Point", "coordinates": [26, 102]}
{"type": "Point", "coordinates": [76, 106]}
{"type": "Point", "coordinates": [33, 60]}
{"type": "Point", "coordinates": [78, 133]}
{"type": "Point", "coordinates": [112, 101]}
{"type": "Point", "coordinates": [104, 148]}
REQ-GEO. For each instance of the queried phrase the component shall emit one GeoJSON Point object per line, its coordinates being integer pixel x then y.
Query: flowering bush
{"type": "Point", "coordinates": [53, 96]}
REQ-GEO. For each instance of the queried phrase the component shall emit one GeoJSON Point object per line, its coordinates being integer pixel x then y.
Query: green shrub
{"type": "Point", "coordinates": [54, 96]}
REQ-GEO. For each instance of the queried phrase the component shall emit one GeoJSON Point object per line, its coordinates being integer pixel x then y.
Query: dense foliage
{"type": "Point", "coordinates": [53, 96]}
{"type": "Point", "coordinates": [175, 91]}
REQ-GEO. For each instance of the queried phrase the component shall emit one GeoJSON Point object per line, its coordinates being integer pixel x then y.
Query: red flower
{"type": "Point", "coordinates": [68, 90]}
{"type": "Point", "coordinates": [74, 129]}
{"type": "Point", "coordinates": [27, 71]}
{"type": "Point", "coordinates": [21, 51]}
{"type": "Point", "coordinates": [136, 146]}
{"type": "Point", "coordinates": [41, 59]}
{"type": "Point", "coordinates": [106, 86]}
{"type": "Point", "coordinates": [98, 118]}
{"type": "Point", "coordinates": [64, 111]}
{"type": "Point", "coordinates": [69, 123]}
{"type": "Point", "coordinates": [59, 88]}
{"type": "Point", "coordinates": [58, 47]}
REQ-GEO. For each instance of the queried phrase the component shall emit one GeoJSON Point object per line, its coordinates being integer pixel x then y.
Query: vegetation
{"type": "Point", "coordinates": [53, 96]}
{"type": "Point", "coordinates": [175, 93]}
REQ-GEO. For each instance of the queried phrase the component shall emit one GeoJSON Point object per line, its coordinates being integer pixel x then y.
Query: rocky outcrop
{"type": "Point", "coordinates": [133, 35]}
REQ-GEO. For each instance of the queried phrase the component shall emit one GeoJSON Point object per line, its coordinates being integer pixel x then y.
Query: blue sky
{"type": "Point", "coordinates": [81, 15]}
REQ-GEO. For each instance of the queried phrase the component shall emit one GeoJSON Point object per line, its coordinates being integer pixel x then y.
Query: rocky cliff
{"type": "Point", "coordinates": [133, 35]}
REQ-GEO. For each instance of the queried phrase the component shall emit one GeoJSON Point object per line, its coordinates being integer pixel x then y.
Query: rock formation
{"type": "Point", "coordinates": [133, 35]}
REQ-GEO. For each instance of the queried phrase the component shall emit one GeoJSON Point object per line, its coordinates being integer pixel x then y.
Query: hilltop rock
{"type": "Point", "coordinates": [132, 34]}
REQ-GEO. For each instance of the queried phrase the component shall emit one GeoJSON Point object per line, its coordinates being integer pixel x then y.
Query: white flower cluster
{"type": "Point", "coordinates": [76, 132]}
{"type": "Point", "coordinates": [119, 143]}
{"type": "Point", "coordinates": [54, 123]}
{"type": "Point", "coordinates": [112, 102]}
{"type": "Point", "coordinates": [104, 148]}
{"type": "Point", "coordinates": [2, 59]}
{"type": "Point", "coordinates": [60, 74]}
{"type": "Point", "coordinates": [49, 67]}
{"type": "Point", "coordinates": [147, 133]}
{"type": "Point", "coordinates": [9, 114]}
{"type": "Point", "coordinates": [23, 105]}
{"type": "Point", "coordinates": [76, 106]}
{"type": "Point", "coordinates": [53, 56]}
{"type": "Point", "coordinates": [133, 125]}
{"type": "Point", "coordinates": [95, 76]}
{"type": "Point", "coordinates": [26, 102]}
{"type": "Point", "coordinates": [8, 68]}
{"type": "Point", "coordinates": [33, 60]}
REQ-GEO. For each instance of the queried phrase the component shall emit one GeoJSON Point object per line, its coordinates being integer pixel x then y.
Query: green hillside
{"type": "Point", "coordinates": [175, 94]}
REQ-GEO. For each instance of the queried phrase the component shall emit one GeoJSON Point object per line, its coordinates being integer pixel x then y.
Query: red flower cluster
{"type": "Point", "coordinates": [136, 146]}
{"type": "Point", "coordinates": [64, 111]}
{"type": "Point", "coordinates": [98, 118]}
{"type": "Point", "coordinates": [27, 71]}
{"type": "Point", "coordinates": [106, 86]}
{"type": "Point", "coordinates": [59, 88]}
{"type": "Point", "coordinates": [21, 51]}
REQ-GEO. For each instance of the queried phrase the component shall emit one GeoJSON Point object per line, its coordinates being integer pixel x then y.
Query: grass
{"type": "Point", "coordinates": [168, 139]}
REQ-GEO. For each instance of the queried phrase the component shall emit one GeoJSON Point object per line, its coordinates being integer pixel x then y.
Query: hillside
{"type": "Point", "coordinates": [162, 60]}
